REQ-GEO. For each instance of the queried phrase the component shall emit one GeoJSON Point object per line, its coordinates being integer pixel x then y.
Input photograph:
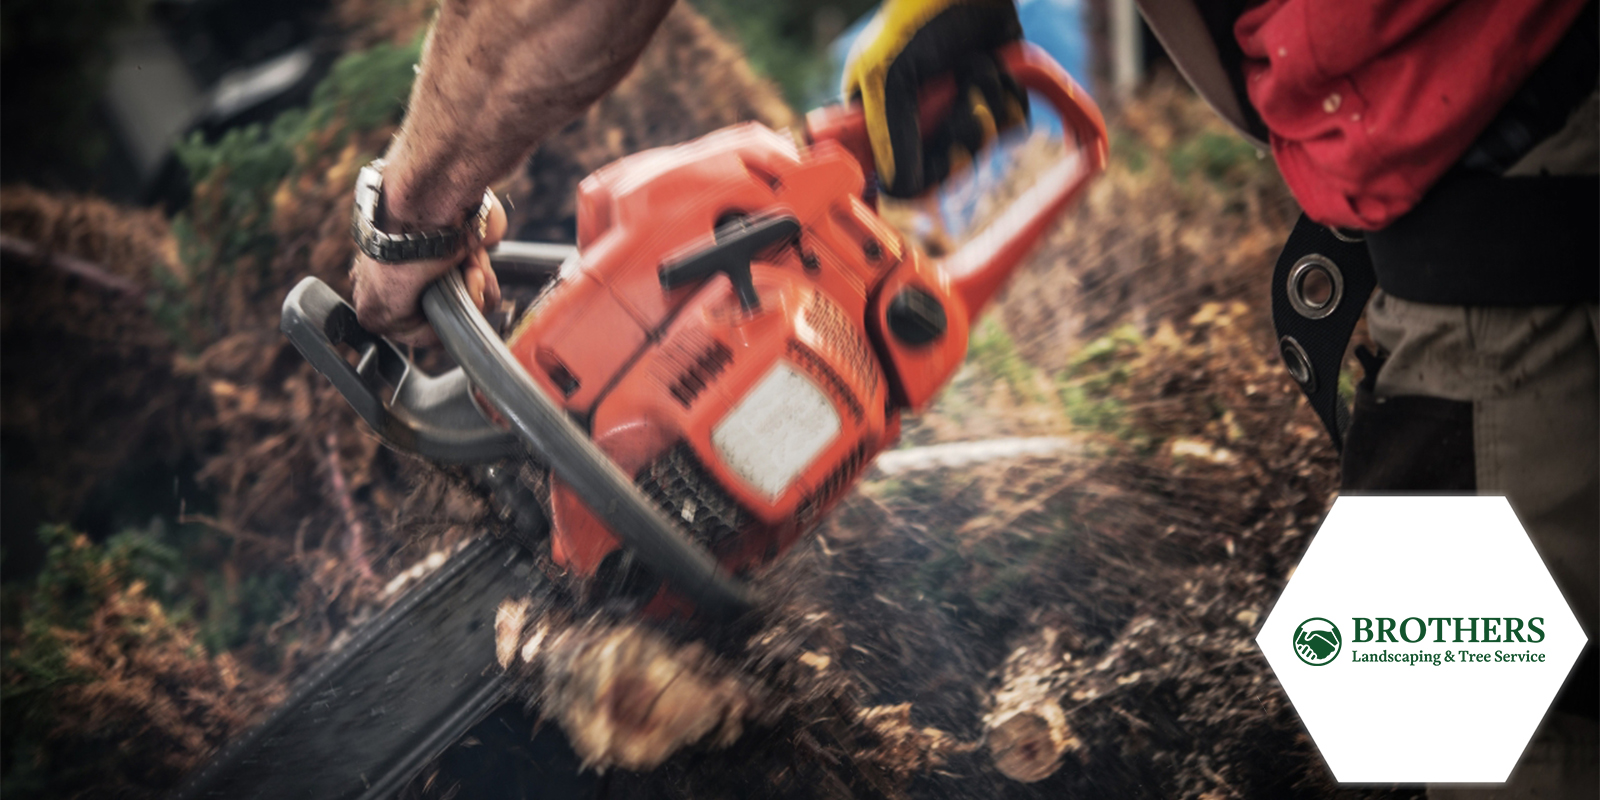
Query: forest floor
{"type": "Point", "coordinates": [211, 517]}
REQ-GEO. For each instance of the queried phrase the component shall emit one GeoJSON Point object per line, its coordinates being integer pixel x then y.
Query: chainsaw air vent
{"type": "Point", "coordinates": [683, 488]}
{"type": "Point", "coordinates": [841, 478]}
{"type": "Point", "coordinates": [699, 373]}
{"type": "Point", "coordinates": [835, 385]}
{"type": "Point", "coordinates": [836, 333]}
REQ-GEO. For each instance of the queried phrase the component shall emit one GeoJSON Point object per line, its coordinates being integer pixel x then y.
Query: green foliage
{"type": "Point", "coordinates": [991, 348]}
{"type": "Point", "coordinates": [787, 41]}
{"type": "Point", "coordinates": [1129, 150]}
{"type": "Point", "coordinates": [197, 583]}
{"type": "Point", "coordinates": [1088, 386]}
{"type": "Point", "coordinates": [77, 578]}
{"type": "Point", "coordinates": [244, 168]}
{"type": "Point", "coordinates": [179, 567]}
{"type": "Point", "coordinates": [1225, 160]}
{"type": "Point", "coordinates": [236, 611]}
{"type": "Point", "coordinates": [1347, 385]}
{"type": "Point", "coordinates": [367, 89]}
{"type": "Point", "coordinates": [79, 575]}
{"type": "Point", "coordinates": [229, 225]}
{"type": "Point", "coordinates": [170, 304]}
{"type": "Point", "coordinates": [93, 649]}
{"type": "Point", "coordinates": [363, 92]}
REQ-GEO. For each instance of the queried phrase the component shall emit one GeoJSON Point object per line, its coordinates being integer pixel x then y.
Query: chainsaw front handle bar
{"type": "Point", "coordinates": [437, 416]}
{"type": "Point", "coordinates": [431, 415]}
{"type": "Point", "coordinates": [1031, 67]}
{"type": "Point", "coordinates": [547, 431]}
{"type": "Point", "coordinates": [982, 264]}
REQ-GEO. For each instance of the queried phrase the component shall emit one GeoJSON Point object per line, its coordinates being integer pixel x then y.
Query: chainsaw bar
{"type": "Point", "coordinates": [374, 713]}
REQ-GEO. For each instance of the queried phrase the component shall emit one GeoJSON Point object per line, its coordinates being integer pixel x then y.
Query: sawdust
{"type": "Point", "coordinates": [1185, 215]}
{"type": "Point", "coordinates": [738, 714]}
{"type": "Point", "coordinates": [1154, 548]}
{"type": "Point", "coordinates": [626, 696]}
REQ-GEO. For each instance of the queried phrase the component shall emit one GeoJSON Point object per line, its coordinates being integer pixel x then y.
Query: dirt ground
{"type": "Point", "coordinates": [228, 518]}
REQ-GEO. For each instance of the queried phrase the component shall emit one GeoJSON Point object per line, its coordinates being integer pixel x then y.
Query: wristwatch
{"type": "Point", "coordinates": [401, 248]}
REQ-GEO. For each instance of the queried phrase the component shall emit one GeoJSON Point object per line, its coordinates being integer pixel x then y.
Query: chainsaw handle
{"type": "Point", "coordinates": [433, 415]}
{"type": "Point", "coordinates": [1028, 64]}
{"type": "Point", "coordinates": [547, 430]}
{"type": "Point", "coordinates": [983, 263]}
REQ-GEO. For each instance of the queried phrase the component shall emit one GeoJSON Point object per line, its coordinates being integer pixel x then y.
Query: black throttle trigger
{"type": "Point", "coordinates": [738, 243]}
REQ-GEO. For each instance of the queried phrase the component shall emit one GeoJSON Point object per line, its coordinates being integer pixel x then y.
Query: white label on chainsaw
{"type": "Point", "coordinates": [776, 430]}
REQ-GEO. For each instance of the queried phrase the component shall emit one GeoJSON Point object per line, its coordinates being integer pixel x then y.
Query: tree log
{"type": "Point", "coordinates": [1025, 727]}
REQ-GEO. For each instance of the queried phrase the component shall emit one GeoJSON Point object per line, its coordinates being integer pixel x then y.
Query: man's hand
{"type": "Point", "coordinates": [911, 41]}
{"type": "Point", "coordinates": [388, 297]}
{"type": "Point", "coordinates": [496, 77]}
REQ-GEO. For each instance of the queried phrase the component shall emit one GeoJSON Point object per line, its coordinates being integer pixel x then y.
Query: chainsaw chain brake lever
{"type": "Point", "coordinates": [554, 439]}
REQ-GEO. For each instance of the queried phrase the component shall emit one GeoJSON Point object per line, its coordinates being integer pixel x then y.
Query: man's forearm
{"type": "Point", "coordinates": [495, 79]}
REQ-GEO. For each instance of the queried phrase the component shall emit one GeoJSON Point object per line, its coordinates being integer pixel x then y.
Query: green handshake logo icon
{"type": "Point", "coordinates": [1317, 641]}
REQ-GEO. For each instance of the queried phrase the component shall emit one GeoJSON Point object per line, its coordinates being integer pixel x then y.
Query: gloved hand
{"type": "Point", "coordinates": [912, 41]}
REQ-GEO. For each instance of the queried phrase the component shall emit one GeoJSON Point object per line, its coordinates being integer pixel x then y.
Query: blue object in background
{"type": "Point", "coordinates": [1057, 26]}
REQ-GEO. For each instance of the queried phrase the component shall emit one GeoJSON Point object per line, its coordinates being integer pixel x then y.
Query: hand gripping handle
{"type": "Point", "coordinates": [437, 417]}
{"type": "Point", "coordinates": [432, 415]}
{"type": "Point", "coordinates": [983, 263]}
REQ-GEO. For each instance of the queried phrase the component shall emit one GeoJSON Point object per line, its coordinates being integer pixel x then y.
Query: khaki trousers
{"type": "Point", "coordinates": [1517, 390]}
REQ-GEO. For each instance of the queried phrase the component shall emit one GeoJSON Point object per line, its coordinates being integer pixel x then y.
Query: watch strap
{"type": "Point", "coordinates": [401, 248]}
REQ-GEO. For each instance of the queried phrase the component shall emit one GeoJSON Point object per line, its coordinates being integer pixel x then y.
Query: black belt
{"type": "Point", "coordinates": [1484, 240]}
{"type": "Point", "coordinates": [1475, 240]}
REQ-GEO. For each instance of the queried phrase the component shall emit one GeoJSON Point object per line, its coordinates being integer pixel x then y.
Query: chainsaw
{"type": "Point", "coordinates": [711, 368]}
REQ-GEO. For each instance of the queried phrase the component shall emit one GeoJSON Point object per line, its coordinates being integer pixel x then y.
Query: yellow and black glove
{"type": "Point", "coordinates": [912, 41]}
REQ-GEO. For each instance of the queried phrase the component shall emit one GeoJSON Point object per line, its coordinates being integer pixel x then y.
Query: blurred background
{"type": "Point", "coordinates": [192, 516]}
{"type": "Point", "coordinates": [100, 90]}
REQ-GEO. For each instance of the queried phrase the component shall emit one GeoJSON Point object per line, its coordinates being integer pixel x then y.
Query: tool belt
{"type": "Point", "coordinates": [1478, 238]}
{"type": "Point", "coordinates": [1474, 240]}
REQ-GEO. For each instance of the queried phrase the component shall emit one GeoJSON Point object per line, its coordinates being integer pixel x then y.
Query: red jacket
{"type": "Point", "coordinates": [1370, 101]}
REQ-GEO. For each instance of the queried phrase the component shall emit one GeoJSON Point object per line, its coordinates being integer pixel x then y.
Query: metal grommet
{"type": "Point", "coordinates": [1305, 268]}
{"type": "Point", "coordinates": [1351, 235]}
{"type": "Point", "coordinates": [1299, 364]}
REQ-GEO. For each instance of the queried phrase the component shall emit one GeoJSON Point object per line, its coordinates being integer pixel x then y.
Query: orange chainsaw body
{"type": "Point", "coordinates": [745, 425]}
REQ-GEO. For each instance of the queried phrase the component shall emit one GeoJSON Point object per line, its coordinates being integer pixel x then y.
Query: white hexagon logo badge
{"type": "Point", "coordinates": [1421, 639]}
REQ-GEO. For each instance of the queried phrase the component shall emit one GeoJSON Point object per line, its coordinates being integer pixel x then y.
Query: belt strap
{"type": "Point", "coordinates": [1476, 239]}
{"type": "Point", "coordinates": [1485, 240]}
{"type": "Point", "coordinates": [1314, 326]}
